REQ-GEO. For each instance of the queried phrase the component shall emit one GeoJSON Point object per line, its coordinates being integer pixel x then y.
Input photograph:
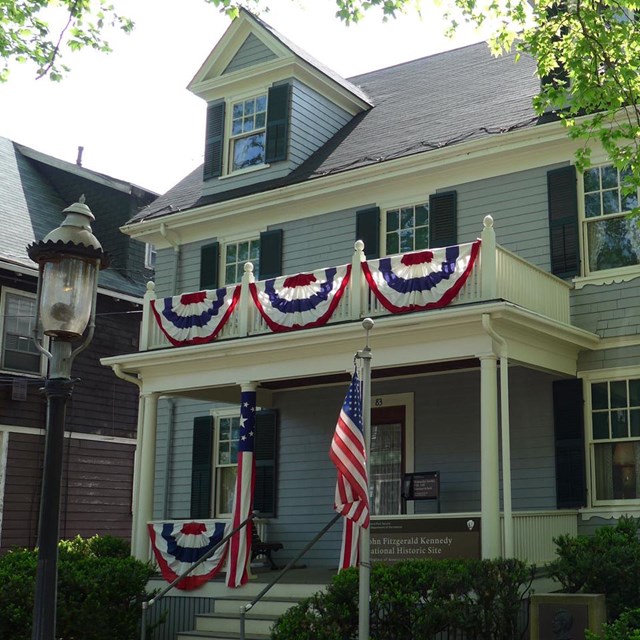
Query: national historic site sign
{"type": "Point", "coordinates": [393, 540]}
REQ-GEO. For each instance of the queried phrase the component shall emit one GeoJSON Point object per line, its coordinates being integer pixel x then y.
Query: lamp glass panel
{"type": "Point", "coordinates": [66, 297]}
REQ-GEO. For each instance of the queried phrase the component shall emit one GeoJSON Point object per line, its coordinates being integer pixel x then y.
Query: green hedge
{"type": "Point", "coordinates": [607, 562]}
{"type": "Point", "coordinates": [417, 599]}
{"type": "Point", "coordinates": [99, 591]}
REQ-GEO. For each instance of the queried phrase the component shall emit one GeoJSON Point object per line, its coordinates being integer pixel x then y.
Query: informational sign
{"type": "Point", "coordinates": [421, 486]}
{"type": "Point", "coordinates": [395, 540]}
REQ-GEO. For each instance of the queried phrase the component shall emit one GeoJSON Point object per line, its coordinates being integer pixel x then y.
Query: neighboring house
{"type": "Point", "coordinates": [299, 164]}
{"type": "Point", "coordinates": [101, 417]}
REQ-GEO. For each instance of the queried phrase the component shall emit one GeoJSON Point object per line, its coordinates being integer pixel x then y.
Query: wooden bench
{"type": "Point", "coordinates": [259, 548]}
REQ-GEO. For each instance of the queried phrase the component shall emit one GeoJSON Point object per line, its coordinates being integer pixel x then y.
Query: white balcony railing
{"type": "Point", "coordinates": [498, 274]}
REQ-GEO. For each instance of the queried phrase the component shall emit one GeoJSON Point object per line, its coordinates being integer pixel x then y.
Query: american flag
{"type": "Point", "coordinates": [348, 454]}
{"type": "Point", "coordinates": [240, 543]}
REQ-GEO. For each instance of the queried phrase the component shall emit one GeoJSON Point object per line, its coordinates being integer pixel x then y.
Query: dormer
{"type": "Point", "coordinates": [270, 106]}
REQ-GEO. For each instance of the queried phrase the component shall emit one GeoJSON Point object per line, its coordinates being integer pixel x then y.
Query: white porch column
{"type": "Point", "coordinates": [146, 462]}
{"type": "Point", "coordinates": [489, 458]}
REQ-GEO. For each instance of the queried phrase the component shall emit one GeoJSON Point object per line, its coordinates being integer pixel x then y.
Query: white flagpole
{"type": "Point", "coordinates": [365, 556]}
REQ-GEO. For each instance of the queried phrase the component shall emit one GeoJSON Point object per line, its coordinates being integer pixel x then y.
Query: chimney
{"type": "Point", "coordinates": [79, 158]}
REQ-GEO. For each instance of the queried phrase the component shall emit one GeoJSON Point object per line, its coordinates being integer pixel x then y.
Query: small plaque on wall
{"type": "Point", "coordinates": [566, 616]}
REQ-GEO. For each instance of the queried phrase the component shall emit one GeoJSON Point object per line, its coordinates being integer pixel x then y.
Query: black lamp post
{"type": "Point", "coordinates": [69, 258]}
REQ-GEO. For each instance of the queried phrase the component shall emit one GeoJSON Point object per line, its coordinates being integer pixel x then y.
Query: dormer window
{"type": "Point", "coordinates": [248, 133]}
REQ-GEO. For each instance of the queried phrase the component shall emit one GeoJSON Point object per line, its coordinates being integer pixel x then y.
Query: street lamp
{"type": "Point", "coordinates": [69, 258]}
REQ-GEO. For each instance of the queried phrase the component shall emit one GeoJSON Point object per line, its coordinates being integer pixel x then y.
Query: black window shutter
{"type": "Point", "coordinates": [265, 453]}
{"type": "Point", "coordinates": [564, 241]}
{"type": "Point", "coordinates": [202, 467]}
{"type": "Point", "coordinates": [368, 230]}
{"type": "Point", "coordinates": [278, 108]}
{"type": "Point", "coordinates": [209, 259]}
{"type": "Point", "coordinates": [569, 444]}
{"type": "Point", "coordinates": [270, 254]}
{"type": "Point", "coordinates": [214, 139]}
{"type": "Point", "coordinates": [443, 219]}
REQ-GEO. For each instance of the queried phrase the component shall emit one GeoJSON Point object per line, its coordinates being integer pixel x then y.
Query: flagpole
{"type": "Point", "coordinates": [365, 556]}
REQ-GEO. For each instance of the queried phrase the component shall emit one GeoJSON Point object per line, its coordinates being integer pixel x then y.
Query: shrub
{"type": "Point", "coordinates": [417, 599]}
{"type": "Point", "coordinates": [626, 627]}
{"type": "Point", "coordinates": [99, 591]}
{"type": "Point", "coordinates": [607, 562]}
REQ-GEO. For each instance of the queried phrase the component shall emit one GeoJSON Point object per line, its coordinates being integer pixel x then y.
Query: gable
{"type": "Point", "coordinates": [252, 51]}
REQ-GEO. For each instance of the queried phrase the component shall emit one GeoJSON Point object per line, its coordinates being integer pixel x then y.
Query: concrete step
{"type": "Point", "coordinates": [230, 622]}
{"type": "Point", "coordinates": [274, 606]}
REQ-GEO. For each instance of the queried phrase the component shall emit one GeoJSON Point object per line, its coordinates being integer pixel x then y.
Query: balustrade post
{"type": "Point", "coordinates": [145, 324]}
{"type": "Point", "coordinates": [488, 261]}
{"type": "Point", "coordinates": [357, 285]}
{"type": "Point", "coordinates": [245, 304]}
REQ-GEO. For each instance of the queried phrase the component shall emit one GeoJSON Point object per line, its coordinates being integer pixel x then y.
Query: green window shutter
{"type": "Point", "coordinates": [443, 219]}
{"type": "Point", "coordinates": [270, 254]}
{"type": "Point", "coordinates": [214, 141]}
{"type": "Point", "coordinates": [278, 109]}
{"type": "Point", "coordinates": [202, 467]}
{"type": "Point", "coordinates": [266, 453]}
{"type": "Point", "coordinates": [368, 230]}
{"type": "Point", "coordinates": [209, 259]}
{"type": "Point", "coordinates": [569, 444]}
{"type": "Point", "coordinates": [562, 193]}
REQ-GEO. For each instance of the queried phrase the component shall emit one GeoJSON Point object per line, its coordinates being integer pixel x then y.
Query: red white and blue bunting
{"type": "Point", "coordinates": [300, 302]}
{"type": "Point", "coordinates": [421, 280]}
{"type": "Point", "coordinates": [195, 318]}
{"type": "Point", "coordinates": [177, 546]}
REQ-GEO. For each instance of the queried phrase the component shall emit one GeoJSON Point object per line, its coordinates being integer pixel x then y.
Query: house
{"type": "Point", "coordinates": [101, 419]}
{"type": "Point", "coordinates": [504, 413]}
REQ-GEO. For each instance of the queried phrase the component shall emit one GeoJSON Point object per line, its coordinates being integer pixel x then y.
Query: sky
{"type": "Point", "coordinates": [130, 109]}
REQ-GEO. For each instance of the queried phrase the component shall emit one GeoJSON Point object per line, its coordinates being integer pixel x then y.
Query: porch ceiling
{"type": "Point", "coordinates": [433, 340]}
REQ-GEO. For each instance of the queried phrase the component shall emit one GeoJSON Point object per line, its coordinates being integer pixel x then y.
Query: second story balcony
{"type": "Point", "coordinates": [479, 272]}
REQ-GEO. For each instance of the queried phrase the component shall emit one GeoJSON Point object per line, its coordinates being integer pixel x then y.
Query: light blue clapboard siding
{"type": "Point", "coordinates": [609, 358]}
{"type": "Point", "coordinates": [252, 52]}
{"type": "Point", "coordinates": [314, 120]}
{"type": "Point", "coordinates": [518, 204]}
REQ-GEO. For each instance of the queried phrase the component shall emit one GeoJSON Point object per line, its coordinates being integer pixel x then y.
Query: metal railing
{"type": "Point", "coordinates": [146, 604]}
{"type": "Point", "coordinates": [247, 607]}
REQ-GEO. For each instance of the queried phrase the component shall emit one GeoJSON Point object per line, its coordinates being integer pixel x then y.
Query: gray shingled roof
{"type": "Point", "coordinates": [31, 206]}
{"type": "Point", "coordinates": [426, 104]}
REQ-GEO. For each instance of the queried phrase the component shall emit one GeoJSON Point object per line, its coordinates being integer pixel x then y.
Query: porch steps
{"type": "Point", "coordinates": [224, 622]}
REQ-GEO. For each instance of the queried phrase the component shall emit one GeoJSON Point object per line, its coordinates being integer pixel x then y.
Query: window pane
{"type": "Point", "coordinates": [616, 471]}
{"type": "Point", "coordinates": [635, 423]}
{"type": "Point", "coordinates": [224, 428]}
{"type": "Point", "coordinates": [601, 426]}
{"type": "Point", "coordinates": [254, 251]}
{"type": "Point", "coordinates": [393, 244]}
{"type": "Point", "coordinates": [406, 240]}
{"type": "Point", "coordinates": [613, 243]}
{"type": "Point", "coordinates": [232, 252]}
{"type": "Point", "coordinates": [610, 201]}
{"type": "Point", "coordinates": [243, 251]}
{"type": "Point", "coordinates": [248, 151]}
{"type": "Point", "coordinates": [422, 238]}
{"type": "Point", "coordinates": [261, 103]}
{"type": "Point", "coordinates": [226, 489]}
{"type": "Point", "coordinates": [619, 426]}
{"type": "Point", "coordinates": [592, 205]}
{"type": "Point", "coordinates": [19, 351]}
{"type": "Point", "coordinates": [603, 467]}
{"type": "Point", "coordinates": [599, 396]}
{"type": "Point", "coordinates": [609, 177]}
{"type": "Point", "coordinates": [406, 217]}
{"type": "Point", "coordinates": [249, 106]}
{"type": "Point", "coordinates": [230, 275]}
{"type": "Point", "coordinates": [592, 180]}
{"type": "Point", "coordinates": [422, 215]}
{"type": "Point", "coordinates": [634, 393]}
{"type": "Point", "coordinates": [236, 127]}
{"type": "Point", "coordinates": [238, 110]}
{"type": "Point", "coordinates": [393, 220]}
{"type": "Point", "coordinates": [629, 202]}
{"type": "Point", "coordinates": [618, 392]}
{"type": "Point", "coordinates": [260, 120]}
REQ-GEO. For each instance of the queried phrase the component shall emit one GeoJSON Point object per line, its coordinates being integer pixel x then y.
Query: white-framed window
{"type": "Point", "coordinates": [406, 228]}
{"type": "Point", "coordinates": [611, 240]}
{"type": "Point", "coordinates": [613, 433]}
{"type": "Point", "coordinates": [234, 258]}
{"type": "Point", "coordinates": [150, 254]}
{"type": "Point", "coordinates": [227, 429]}
{"type": "Point", "coordinates": [247, 139]}
{"type": "Point", "coordinates": [18, 353]}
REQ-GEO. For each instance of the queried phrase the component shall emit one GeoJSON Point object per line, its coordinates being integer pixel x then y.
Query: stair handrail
{"type": "Point", "coordinates": [247, 607]}
{"type": "Point", "coordinates": [149, 603]}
